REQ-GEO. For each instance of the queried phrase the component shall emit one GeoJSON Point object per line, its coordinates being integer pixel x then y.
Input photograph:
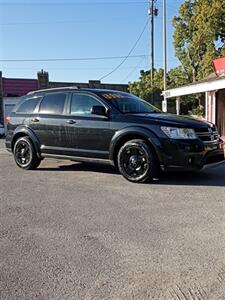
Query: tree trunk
{"type": "Point", "coordinates": [194, 74]}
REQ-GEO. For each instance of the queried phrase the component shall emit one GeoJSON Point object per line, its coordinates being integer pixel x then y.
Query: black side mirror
{"type": "Point", "coordinates": [99, 110]}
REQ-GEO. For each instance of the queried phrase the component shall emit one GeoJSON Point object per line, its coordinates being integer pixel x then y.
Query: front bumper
{"type": "Point", "coordinates": [191, 155]}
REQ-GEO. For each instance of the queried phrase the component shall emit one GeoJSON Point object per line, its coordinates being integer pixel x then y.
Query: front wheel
{"type": "Point", "coordinates": [137, 162]}
{"type": "Point", "coordinates": [25, 155]}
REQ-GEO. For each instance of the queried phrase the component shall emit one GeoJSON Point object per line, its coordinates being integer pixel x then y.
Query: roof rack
{"type": "Point", "coordinates": [54, 89]}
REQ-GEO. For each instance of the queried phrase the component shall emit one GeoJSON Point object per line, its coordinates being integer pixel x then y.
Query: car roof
{"type": "Point", "coordinates": [69, 88]}
{"type": "Point", "coordinates": [53, 89]}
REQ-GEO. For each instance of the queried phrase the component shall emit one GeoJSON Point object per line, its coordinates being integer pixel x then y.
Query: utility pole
{"type": "Point", "coordinates": [152, 12]}
{"type": "Point", "coordinates": [164, 104]}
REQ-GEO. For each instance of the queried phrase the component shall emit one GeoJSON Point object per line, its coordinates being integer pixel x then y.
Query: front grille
{"type": "Point", "coordinates": [208, 134]}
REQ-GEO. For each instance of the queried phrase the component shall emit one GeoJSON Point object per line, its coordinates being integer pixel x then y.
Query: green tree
{"type": "Point", "coordinates": [153, 93]}
{"type": "Point", "coordinates": [147, 91]}
{"type": "Point", "coordinates": [199, 36]}
{"type": "Point", "coordinates": [143, 87]}
{"type": "Point", "coordinates": [177, 77]}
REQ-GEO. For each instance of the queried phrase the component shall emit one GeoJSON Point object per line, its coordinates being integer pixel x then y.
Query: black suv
{"type": "Point", "coordinates": [108, 126]}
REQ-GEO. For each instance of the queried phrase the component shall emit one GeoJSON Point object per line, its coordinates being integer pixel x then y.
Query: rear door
{"type": "Point", "coordinates": [24, 112]}
{"type": "Point", "coordinates": [48, 123]}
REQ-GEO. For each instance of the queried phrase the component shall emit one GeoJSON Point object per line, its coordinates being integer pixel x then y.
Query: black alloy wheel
{"type": "Point", "coordinates": [137, 162]}
{"type": "Point", "coordinates": [25, 155]}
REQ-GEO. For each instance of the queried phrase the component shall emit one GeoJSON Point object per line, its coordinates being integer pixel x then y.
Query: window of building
{"type": "Point", "coordinates": [53, 104]}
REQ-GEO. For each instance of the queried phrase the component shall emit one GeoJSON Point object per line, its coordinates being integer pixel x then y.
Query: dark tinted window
{"type": "Point", "coordinates": [53, 104]}
{"type": "Point", "coordinates": [82, 104]}
{"type": "Point", "coordinates": [28, 106]}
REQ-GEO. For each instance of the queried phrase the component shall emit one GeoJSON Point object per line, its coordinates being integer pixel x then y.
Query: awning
{"type": "Point", "coordinates": [197, 87]}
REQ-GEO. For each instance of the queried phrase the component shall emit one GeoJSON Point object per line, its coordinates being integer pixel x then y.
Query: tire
{"type": "Point", "coordinates": [25, 155]}
{"type": "Point", "coordinates": [137, 162]}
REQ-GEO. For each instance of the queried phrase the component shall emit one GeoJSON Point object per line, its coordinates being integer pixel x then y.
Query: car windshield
{"type": "Point", "coordinates": [128, 104]}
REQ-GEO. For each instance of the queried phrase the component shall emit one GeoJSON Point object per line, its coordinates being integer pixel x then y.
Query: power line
{"type": "Point", "coordinates": [129, 54]}
{"type": "Point", "coordinates": [72, 69]}
{"type": "Point", "coordinates": [71, 3]}
{"type": "Point", "coordinates": [88, 58]}
{"type": "Point", "coordinates": [134, 69]}
{"type": "Point", "coordinates": [79, 3]}
{"type": "Point", "coordinates": [59, 22]}
{"type": "Point", "coordinates": [71, 59]}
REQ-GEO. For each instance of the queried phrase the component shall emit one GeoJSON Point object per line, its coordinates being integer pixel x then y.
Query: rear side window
{"type": "Point", "coordinates": [53, 104]}
{"type": "Point", "coordinates": [28, 106]}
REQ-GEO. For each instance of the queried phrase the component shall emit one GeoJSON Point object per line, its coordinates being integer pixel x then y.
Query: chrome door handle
{"type": "Point", "coordinates": [71, 122]}
{"type": "Point", "coordinates": [35, 120]}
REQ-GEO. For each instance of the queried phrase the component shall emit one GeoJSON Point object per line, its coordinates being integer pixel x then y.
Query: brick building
{"type": "Point", "coordinates": [11, 89]}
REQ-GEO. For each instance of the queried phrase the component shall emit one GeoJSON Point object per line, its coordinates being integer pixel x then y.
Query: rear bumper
{"type": "Point", "coordinates": [192, 155]}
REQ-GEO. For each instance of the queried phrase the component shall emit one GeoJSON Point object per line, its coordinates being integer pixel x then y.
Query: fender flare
{"type": "Point", "coordinates": [135, 130]}
{"type": "Point", "coordinates": [29, 132]}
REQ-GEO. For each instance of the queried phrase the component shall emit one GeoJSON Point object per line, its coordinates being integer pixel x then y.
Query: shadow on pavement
{"type": "Point", "coordinates": [209, 177]}
{"type": "Point", "coordinates": [82, 167]}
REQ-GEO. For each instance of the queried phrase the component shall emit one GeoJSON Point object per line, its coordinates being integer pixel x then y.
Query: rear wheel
{"type": "Point", "coordinates": [25, 155]}
{"type": "Point", "coordinates": [137, 162]}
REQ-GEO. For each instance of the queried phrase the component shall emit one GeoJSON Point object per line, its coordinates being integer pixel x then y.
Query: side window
{"type": "Point", "coordinates": [28, 106]}
{"type": "Point", "coordinates": [82, 104]}
{"type": "Point", "coordinates": [53, 104]}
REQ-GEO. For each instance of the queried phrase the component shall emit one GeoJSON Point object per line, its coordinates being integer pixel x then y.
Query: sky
{"type": "Point", "coordinates": [65, 29]}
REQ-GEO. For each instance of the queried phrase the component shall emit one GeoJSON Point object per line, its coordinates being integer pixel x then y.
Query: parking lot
{"type": "Point", "coordinates": [79, 231]}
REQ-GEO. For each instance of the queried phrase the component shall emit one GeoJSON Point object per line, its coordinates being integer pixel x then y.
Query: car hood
{"type": "Point", "coordinates": [174, 120]}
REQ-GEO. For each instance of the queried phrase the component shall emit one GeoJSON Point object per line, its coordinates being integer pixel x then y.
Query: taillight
{"type": "Point", "coordinates": [7, 120]}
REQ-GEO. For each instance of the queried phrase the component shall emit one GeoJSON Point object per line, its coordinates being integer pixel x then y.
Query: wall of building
{"type": "Point", "coordinates": [44, 83]}
{"type": "Point", "coordinates": [210, 106]}
{"type": "Point", "coordinates": [1, 100]}
{"type": "Point", "coordinates": [221, 112]}
{"type": "Point", "coordinates": [18, 87]}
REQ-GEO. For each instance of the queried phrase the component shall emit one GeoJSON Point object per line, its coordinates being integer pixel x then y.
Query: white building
{"type": "Point", "coordinates": [214, 89]}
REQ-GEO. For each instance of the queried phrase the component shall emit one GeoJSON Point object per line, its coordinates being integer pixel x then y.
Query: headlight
{"type": "Point", "coordinates": [179, 133]}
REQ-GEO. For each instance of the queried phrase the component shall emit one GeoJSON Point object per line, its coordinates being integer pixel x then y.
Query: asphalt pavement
{"type": "Point", "coordinates": [80, 231]}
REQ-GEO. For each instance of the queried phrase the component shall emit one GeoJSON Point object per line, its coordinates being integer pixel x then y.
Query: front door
{"type": "Point", "coordinates": [88, 135]}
